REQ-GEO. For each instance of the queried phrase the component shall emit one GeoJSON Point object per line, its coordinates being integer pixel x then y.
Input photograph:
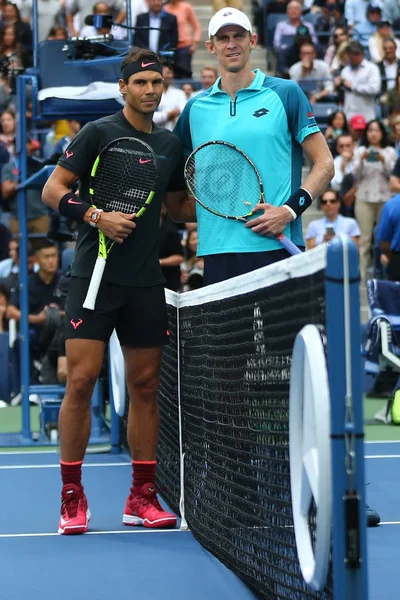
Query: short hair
{"type": "Point", "coordinates": [208, 68]}
{"type": "Point", "coordinates": [45, 244]}
{"type": "Point", "coordinates": [140, 54]}
{"type": "Point", "coordinates": [355, 47]}
{"type": "Point", "coordinates": [331, 191]}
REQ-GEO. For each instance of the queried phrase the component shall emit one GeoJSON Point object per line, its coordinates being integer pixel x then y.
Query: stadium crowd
{"type": "Point", "coordinates": [344, 54]}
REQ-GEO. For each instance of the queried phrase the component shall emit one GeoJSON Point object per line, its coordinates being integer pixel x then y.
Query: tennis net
{"type": "Point", "coordinates": [225, 386]}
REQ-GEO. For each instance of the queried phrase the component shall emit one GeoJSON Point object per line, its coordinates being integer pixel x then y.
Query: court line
{"type": "Point", "coordinates": [389, 523]}
{"type": "Point", "coordinates": [116, 532]}
{"type": "Point", "coordinates": [382, 456]}
{"type": "Point", "coordinates": [57, 466]}
{"type": "Point", "coordinates": [383, 442]}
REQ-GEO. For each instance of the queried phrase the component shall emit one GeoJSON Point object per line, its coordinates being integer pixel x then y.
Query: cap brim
{"type": "Point", "coordinates": [211, 33]}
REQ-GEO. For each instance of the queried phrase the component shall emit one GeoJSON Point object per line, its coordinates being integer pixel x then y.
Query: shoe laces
{"type": "Point", "coordinates": [146, 496]}
{"type": "Point", "coordinates": [71, 499]}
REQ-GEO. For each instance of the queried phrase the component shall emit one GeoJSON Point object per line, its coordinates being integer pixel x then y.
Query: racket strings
{"type": "Point", "coordinates": [124, 178]}
{"type": "Point", "coordinates": [223, 179]}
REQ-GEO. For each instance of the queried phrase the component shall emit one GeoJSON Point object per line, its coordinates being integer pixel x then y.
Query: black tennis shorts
{"type": "Point", "coordinates": [138, 314]}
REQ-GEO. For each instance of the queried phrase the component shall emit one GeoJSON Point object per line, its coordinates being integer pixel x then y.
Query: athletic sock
{"type": "Point", "coordinates": [71, 472]}
{"type": "Point", "coordinates": [143, 471]}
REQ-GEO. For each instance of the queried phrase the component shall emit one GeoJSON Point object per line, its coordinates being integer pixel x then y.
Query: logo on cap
{"type": "Point", "coordinates": [227, 14]}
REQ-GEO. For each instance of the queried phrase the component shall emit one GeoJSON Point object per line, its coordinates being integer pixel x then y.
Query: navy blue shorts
{"type": "Point", "coordinates": [218, 267]}
{"type": "Point", "coordinates": [138, 314]}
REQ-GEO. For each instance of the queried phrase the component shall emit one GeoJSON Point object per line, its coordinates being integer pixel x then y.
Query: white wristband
{"type": "Point", "coordinates": [291, 211]}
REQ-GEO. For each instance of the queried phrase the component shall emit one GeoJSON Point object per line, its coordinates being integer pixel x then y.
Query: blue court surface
{"type": "Point", "coordinates": [113, 561]}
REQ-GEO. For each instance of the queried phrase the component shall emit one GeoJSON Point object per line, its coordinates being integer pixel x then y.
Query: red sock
{"type": "Point", "coordinates": [143, 471]}
{"type": "Point", "coordinates": [71, 472]}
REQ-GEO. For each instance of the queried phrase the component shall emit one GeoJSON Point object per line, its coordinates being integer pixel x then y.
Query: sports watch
{"type": "Point", "coordinates": [94, 217]}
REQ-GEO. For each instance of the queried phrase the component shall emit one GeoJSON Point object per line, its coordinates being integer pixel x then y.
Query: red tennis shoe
{"type": "Point", "coordinates": [75, 514]}
{"type": "Point", "coordinates": [143, 508]}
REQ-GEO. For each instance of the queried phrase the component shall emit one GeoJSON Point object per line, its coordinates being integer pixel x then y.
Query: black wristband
{"type": "Point", "coordinates": [72, 207]}
{"type": "Point", "coordinates": [299, 201]}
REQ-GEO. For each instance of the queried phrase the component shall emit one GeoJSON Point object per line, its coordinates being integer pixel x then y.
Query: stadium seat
{"type": "Point", "coordinates": [272, 20]}
{"type": "Point", "coordinates": [323, 110]}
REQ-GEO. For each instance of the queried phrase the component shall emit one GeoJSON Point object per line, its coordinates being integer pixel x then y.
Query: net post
{"type": "Point", "coordinates": [349, 552]}
{"type": "Point", "coordinates": [183, 525]}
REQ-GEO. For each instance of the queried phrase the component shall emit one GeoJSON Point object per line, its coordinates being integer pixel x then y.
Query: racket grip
{"type": "Point", "coordinates": [94, 284]}
{"type": "Point", "coordinates": [288, 244]}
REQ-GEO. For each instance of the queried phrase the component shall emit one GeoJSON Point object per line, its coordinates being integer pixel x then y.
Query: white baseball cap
{"type": "Point", "coordinates": [228, 16]}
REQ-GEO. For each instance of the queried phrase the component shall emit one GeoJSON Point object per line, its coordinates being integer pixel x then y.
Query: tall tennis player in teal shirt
{"type": "Point", "coordinates": [271, 120]}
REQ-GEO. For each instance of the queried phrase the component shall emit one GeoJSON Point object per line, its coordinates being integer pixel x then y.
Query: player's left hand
{"type": "Point", "coordinates": [272, 220]}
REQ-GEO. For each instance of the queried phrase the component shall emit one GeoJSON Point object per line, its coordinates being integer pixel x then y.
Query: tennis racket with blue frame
{"type": "Point", "coordinates": [226, 182]}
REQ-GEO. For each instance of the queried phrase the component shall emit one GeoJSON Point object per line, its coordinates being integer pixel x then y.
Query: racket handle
{"type": "Point", "coordinates": [94, 284]}
{"type": "Point", "coordinates": [288, 244]}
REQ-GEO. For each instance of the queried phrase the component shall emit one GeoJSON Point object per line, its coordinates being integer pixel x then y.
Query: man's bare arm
{"type": "Point", "coordinates": [181, 207]}
{"type": "Point", "coordinates": [322, 170]}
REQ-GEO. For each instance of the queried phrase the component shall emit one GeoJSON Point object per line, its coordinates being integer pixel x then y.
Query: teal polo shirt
{"type": "Point", "coordinates": [268, 120]}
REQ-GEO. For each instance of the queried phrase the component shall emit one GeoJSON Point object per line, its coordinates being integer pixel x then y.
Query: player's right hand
{"type": "Point", "coordinates": [116, 225]}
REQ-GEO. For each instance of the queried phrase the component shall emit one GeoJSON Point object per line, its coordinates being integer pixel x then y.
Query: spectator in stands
{"type": "Point", "coordinates": [388, 68]}
{"type": "Point", "coordinates": [4, 299]}
{"type": "Point", "coordinates": [337, 125]}
{"type": "Point", "coordinates": [77, 10]}
{"type": "Point", "coordinates": [311, 68]}
{"type": "Point", "coordinates": [5, 238]}
{"type": "Point", "coordinates": [172, 102]}
{"type": "Point", "coordinates": [11, 16]}
{"type": "Point", "coordinates": [218, 4]}
{"type": "Point", "coordinates": [37, 212]}
{"type": "Point", "coordinates": [57, 32]}
{"type": "Point", "coordinates": [357, 127]}
{"type": "Point", "coordinates": [373, 164]}
{"type": "Point", "coordinates": [291, 54]}
{"type": "Point", "coordinates": [9, 264]}
{"type": "Point", "coordinates": [330, 18]}
{"type": "Point", "coordinates": [360, 81]}
{"type": "Point", "coordinates": [101, 8]}
{"type": "Point", "coordinates": [394, 182]}
{"type": "Point", "coordinates": [189, 35]}
{"type": "Point", "coordinates": [376, 43]}
{"type": "Point", "coordinates": [193, 266]}
{"type": "Point", "coordinates": [355, 12]}
{"type": "Point", "coordinates": [74, 127]}
{"type": "Point", "coordinates": [138, 7]}
{"type": "Point", "coordinates": [42, 287]}
{"type": "Point", "coordinates": [49, 14]}
{"type": "Point", "coordinates": [332, 223]}
{"type": "Point", "coordinates": [11, 49]}
{"type": "Point", "coordinates": [160, 18]}
{"type": "Point", "coordinates": [9, 269]}
{"type": "Point", "coordinates": [392, 97]}
{"type": "Point", "coordinates": [344, 161]}
{"type": "Point", "coordinates": [171, 252]}
{"type": "Point", "coordinates": [366, 30]}
{"type": "Point", "coordinates": [340, 37]}
{"type": "Point", "coordinates": [188, 89]}
{"type": "Point", "coordinates": [209, 76]}
{"type": "Point", "coordinates": [395, 137]}
{"type": "Point", "coordinates": [7, 135]}
{"type": "Point", "coordinates": [388, 234]}
{"type": "Point", "coordinates": [285, 31]}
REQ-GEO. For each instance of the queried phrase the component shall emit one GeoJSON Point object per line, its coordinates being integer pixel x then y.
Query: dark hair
{"type": "Point", "coordinates": [385, 138]}
{"type": "Point", "coordinates": [332, 116]}
{"type": "Point", "coordinates": [355, 47]}
{"type": "Point", "coordinates": [53, 30]}
{"type": "Point", "coordinates": [44, 244]}
{"type": "Point", "coordinates": [16, 9]}
{"type": "Point", "coordinates": [140, 54]}
{"type": "Point", "coordinates": [331, 191]}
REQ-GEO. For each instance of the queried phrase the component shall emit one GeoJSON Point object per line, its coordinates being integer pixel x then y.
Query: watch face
{"type": "Point", "coordinates": [94, 217]}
